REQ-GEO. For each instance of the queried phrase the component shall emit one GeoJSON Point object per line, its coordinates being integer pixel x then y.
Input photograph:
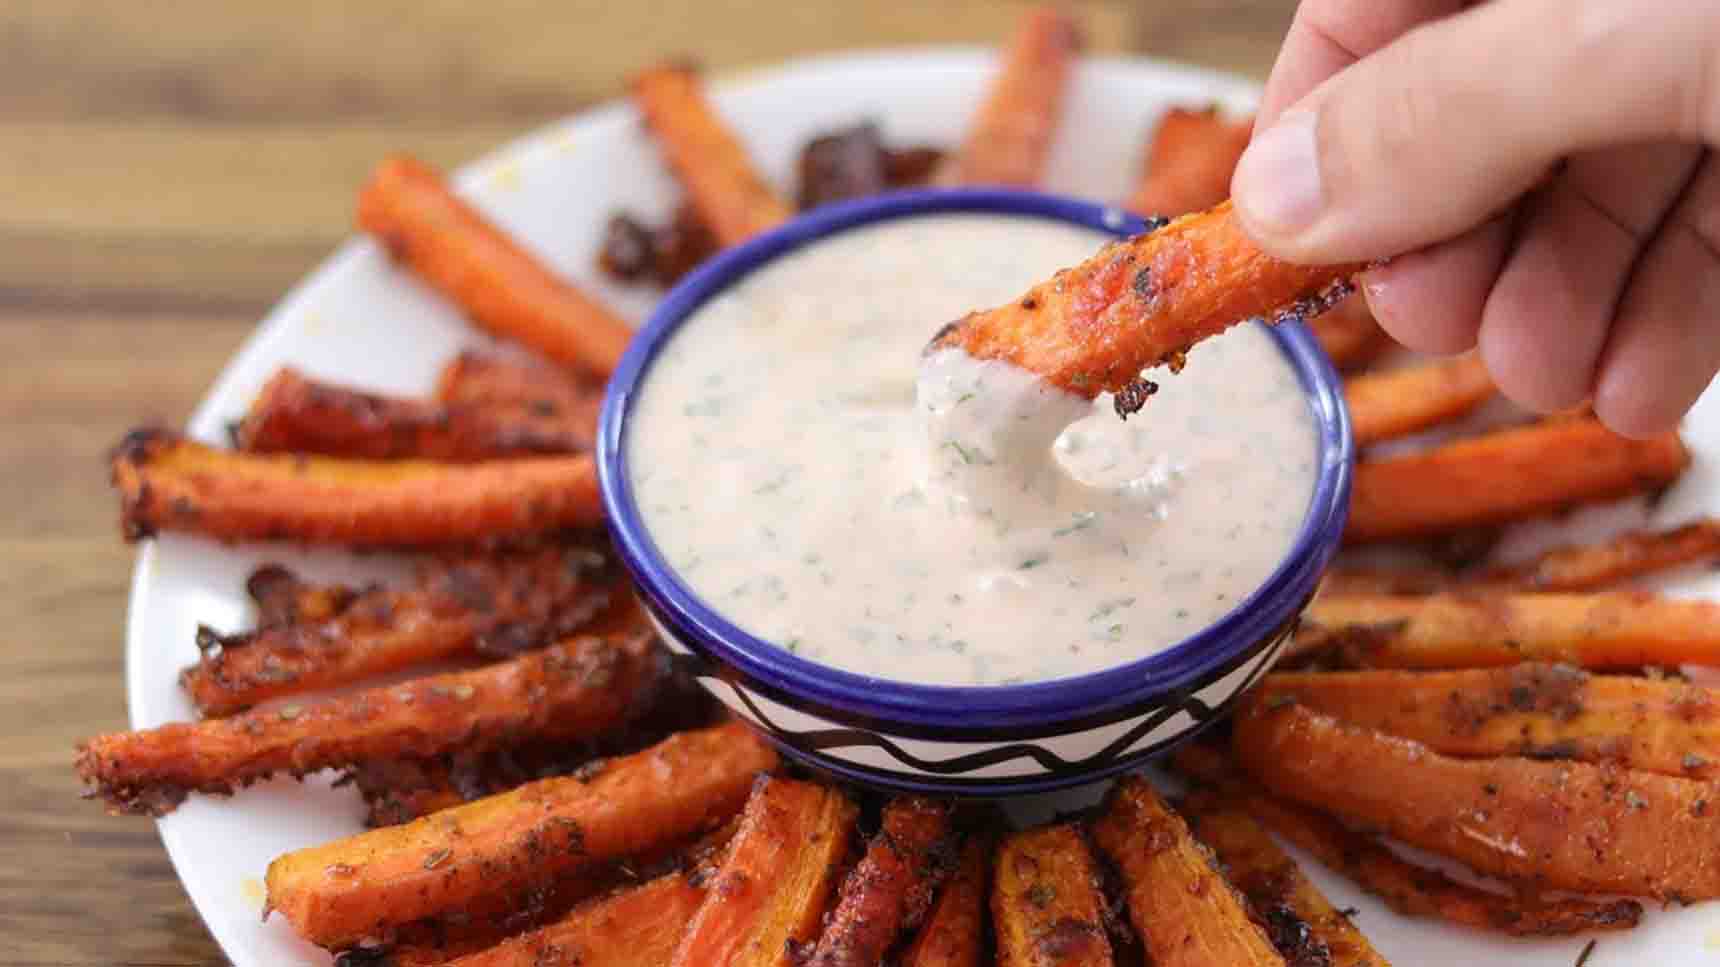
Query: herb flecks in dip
{"type": "Point", "coordinates": [964, 533]}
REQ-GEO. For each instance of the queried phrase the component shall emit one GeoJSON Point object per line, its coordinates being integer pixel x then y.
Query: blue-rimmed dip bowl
{"type": "Point", "coordinates": [969, 740]}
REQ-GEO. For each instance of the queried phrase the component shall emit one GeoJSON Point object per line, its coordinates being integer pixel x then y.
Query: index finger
{"type": "Point", "coordinates": [1329, 35]}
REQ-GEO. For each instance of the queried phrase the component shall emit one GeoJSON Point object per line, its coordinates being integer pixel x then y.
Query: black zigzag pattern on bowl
{"type": "Point", "coordinates": [1183, 700]}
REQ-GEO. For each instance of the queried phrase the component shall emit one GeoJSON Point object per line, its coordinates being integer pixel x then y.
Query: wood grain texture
{"type": "Point", "coordinates": [168, 171]}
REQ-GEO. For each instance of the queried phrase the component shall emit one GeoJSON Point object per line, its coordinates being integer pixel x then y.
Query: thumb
{"type": "Point", "coordinates": [1434, 133]}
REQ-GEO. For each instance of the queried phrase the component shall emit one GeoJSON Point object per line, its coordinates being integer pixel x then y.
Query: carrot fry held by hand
{"type": "Point", "coordinates": [501, 286]}
{"type": "Point", "coordinates": [1143, 302]}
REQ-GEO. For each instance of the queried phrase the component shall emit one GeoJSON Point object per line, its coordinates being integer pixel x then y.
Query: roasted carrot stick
{"type": "Point", "coordinates": [1183, 909]}
{"type": "Point", "coordinates": [500, 285]}
{"type": "Point", "coordinates": [954, 933]}
{"type": "Point", "coordinates": [1411, 890]}
{"type": "Point", "coordinates": [730, 195]}
{"type": "Point", "coordinates": [1143, 302]}
{"type": "Point", "coordinates": [1601, 629]}
{"type": "Point", "coordinates": [294, 414]}
{"type": "Point", "coordinates": [1189, 161]}
{"type": "Point", "coordinates": [634, 928]}
{"type": "Point", "coordinates": [1574, 567]}
{"type": "Point", "coordinates": [1299, 920]}
{"type": "Point", "coordinates": [498, 382]}
{"type": "Point", "coordinates": [1349, 334]}
{"type": "Point", "coordinates": [495, 605]}
{"type": "Point", "coordinates": [1538, 711]}
{"type": "Point", "coordinates": [575, 689]}
{"type": "Point", "coordinates": [1045, 901]}
{"type": "Point", "coordinates": [1010, 137]}
{"type": "Point", "coordinates": [167, 482]}
{"type": "Point", "coordinates": [366, 885]}
{"type": "Point", "coordinates": [773, 888]}
{"type": "Point", "coordinates": [1399, 402]}
{"type": "Point", "coordinates": [1557, 825]}
{"type": "Point", "coordinates": [891, 887]}
{"type": "Point", "coordinates": [1504, 476]}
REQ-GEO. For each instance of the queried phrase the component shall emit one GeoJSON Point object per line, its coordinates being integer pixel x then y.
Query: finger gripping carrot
{"type": "Point", "coordinates": [500, 285]}
{"type": "Point", "coordinates": [1010, 137]}
{"type": "Point", "coordinates": [729, 194]}
{"type": "Point", "coordinates": [167, 482]}
{"type": "Point", "coordinates": [366, 885]}
{"type": "Point", "coordinates": [1142, 302]}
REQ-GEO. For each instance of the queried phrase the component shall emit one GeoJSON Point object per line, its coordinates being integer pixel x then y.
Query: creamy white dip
{"type": "Point", "coordinates": [787, 469]}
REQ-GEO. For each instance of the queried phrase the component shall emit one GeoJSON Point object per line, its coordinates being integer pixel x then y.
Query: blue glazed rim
{"type": "Point", "coordinates": [1035, 706]}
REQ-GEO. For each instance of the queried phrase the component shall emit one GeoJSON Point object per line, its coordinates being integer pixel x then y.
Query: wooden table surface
{"type": "Point", "coordinates": [166, 172]}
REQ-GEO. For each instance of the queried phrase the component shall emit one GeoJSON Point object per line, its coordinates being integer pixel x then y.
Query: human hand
{"type": "Point", "coordinates": [1537, 170]}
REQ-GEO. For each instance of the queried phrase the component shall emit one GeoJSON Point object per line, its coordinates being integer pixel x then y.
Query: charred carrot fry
{"type": "Point", "coordinates": [1602, 629]}
{"type": "Point", "coordinates": [297, 415]}
{"type": "Point", "coordinates": [773, 888]}
{"type": "Point", "coordinates": [1537, 711]}
{"type": "Point", "coordinates": [1143, 302]}
{"type": "Point", "coordinates": [1504, 476]}
{"type": "Point", "coordinates": [503, 288]}
{"type": "Point", "coordinates": [494, 605]}
{"type": "Point", "coordinates": [1299, 920]}
{"type": "Point", "coordinates": [1411, 890]}
{"type": "Point", "coordinates": [1185, 912]}
{"type": "Point", "coordinates": [168, 482]}
{"type": "Point", "coordinates": [730, 195]}
{"type": "Point", "coordinates": [634, 928]}
{"type": "Point", "coordinates": [366, 885]}
{"type": "Point", "coordinates": [575, 689]}
{"type": "Point", "coordinates": [1399, 402]}
{"type": "Point", "coordinates": [891, 888]}
{"type": "Point", "coordinates": [1045, 901]}
{"type": "Point", "coordinates": [1010, 138]}
{"type": "Point", "coordinates": [954, 933]}
{"type": "Point", "coordinates": [1189, 161]}
{"type": "Point", "coordinates": [1556, 825]}
{"type": "Point", "coordinates": [1349, 334]}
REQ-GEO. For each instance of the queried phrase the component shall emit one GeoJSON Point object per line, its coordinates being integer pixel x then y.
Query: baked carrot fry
{"type": "Point", "coordinates": [1047, 909]}
{"type": "Point", "coordinates": [1010, 137]}
{"type": "Point", "coordinates": [773, 887]}
{"type": "Point", "coordinates": [954, 933]}
{"type": "Point", "coordinates": [1349, 334]}
{"type": "Point", "coordinates": [1189, 162]}
{"type": "Point", "coordinates": [1537, 711]}
{"type": "Point", "coordinates": [494, 605]}
{"type": "Point", "coordinates": [1575, 567]}
{"type": "Point", "coordinates": [571, 690]}
{"type": "Point", "coordinates": [1300, 921]}
{"type": "Point", "coordinates": [1600, 629]}
{"type": "Point", "coordinates": [730, 195]}
{"type": "Point", "coordinates": [501, 286]}
{"type": "Point", "coordinates": [494, 381]}
{"type": "Point", "coordinates": [1399, 402]}
{"type": "Point", "coordinates": [168, 482]}
{"type": "Point", "coordinates": [294, 414]}
{"type": "Point", "coordinates": [1506, 475]}
{"type": "Point", "coordinates": [1411, 890]}
{"type": "Point", "coordinates": [1142, 302]}
{"type": "Point", "coordinates": [1555, 825]}
{"type": "Point", "coordinates": [492, 919]}
{"type": "Point", "coordinates": [890, 889]}
{"type": "Point", "coordinates": [634, 928]}
{"type": "Point", "coordinates": [1183, 909]}
{"type": "Point", "coordinates": [366, 885]}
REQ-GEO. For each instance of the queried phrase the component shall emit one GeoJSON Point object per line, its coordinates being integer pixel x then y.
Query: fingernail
{"type": "Point", "coordinates": [1278, 179]}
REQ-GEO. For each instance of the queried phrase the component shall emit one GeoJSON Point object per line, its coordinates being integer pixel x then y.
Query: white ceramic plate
{"type": "Point", "coordinates": [356, 319]}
